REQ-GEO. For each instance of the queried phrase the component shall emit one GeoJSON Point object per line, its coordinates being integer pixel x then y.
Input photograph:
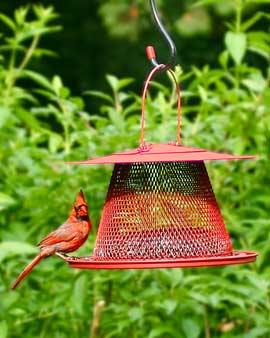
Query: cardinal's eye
{"type": "Point", "coordinates": [82, 206]}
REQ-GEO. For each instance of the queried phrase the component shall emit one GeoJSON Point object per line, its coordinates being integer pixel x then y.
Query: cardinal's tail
{"type": "Point", "coordinates": [28, 269]}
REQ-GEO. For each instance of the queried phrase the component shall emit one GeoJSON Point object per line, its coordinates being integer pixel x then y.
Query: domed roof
{"type": "Point", "coordinates": [157, 152]}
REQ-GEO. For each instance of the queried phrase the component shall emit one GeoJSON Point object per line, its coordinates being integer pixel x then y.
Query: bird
{"type": "Point", "coordinates": [68, 237]}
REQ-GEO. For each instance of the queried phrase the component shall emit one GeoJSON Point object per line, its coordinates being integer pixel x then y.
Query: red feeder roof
{"type": "Point", "coordinates": [158, 152]}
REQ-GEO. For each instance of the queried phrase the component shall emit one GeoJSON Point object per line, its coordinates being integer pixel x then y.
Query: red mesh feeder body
{"type": "Point", "coordinates": [161, 213]}
{"type": "Point", "coordinates": [160, 209]}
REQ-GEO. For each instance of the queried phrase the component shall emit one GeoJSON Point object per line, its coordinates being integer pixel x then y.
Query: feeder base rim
{"type": "Point", "coordinates": [237, 257]}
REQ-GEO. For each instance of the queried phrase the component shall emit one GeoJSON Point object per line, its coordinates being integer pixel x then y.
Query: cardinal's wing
{"type": "Point", "coordinates": [65, 233]}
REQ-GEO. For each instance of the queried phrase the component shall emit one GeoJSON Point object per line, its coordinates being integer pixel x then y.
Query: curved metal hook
{"type": "Point", "coordinates": [150, 49]}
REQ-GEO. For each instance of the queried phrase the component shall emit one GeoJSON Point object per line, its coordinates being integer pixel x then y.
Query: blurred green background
{"type": "Point", "coordinates": [70, 78]}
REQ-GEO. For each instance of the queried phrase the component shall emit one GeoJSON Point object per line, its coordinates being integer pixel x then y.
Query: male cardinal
{"type": "Point", "coordinates": [67, 238]}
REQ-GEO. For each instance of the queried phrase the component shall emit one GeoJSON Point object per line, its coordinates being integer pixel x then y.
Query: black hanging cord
{"type": "Point", "coordinates": [150, 50]}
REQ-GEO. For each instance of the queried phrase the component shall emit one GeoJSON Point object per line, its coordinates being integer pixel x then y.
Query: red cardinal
{"type": "Point", "coordinates": [67, 238]}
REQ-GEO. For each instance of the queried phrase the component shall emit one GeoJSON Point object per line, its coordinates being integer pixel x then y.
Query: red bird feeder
{"type": "Point", "coordinates": [160, 210]}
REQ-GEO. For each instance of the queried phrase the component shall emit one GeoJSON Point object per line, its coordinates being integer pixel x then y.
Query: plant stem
{"type": "Point", "coordinates": [206, 323]}
{"type": "Point", "coordinates": [34, 318]}
{"type": "Point", "coordinates": [173, 96]}
{"type": "Point", "coordinates": [65, 123]}
{"type": "Point", "coordinates": [67, 142]}
{"type": "Point", "coordinates": [29, 53]}
{"type": "Point", "coordinates": [98, 307]}
{"type": "Point", "coordinates": [117, 104]}
{"type": "Point", "coordinates": [239, 11]}
{"type": "Point", "coordinates": [10, 79]}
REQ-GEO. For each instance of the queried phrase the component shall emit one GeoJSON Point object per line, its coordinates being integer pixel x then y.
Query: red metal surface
{"type": "Point", "coordinates": [150, 52]}
{"type": "Point", "coordinates": [154, 71]}
{"type": "Point", "coordinates": [161, 153]}
{"type": "Point", "coordinates": [161, 210]}
{"type": "Point", "coordinates": [237, 257]}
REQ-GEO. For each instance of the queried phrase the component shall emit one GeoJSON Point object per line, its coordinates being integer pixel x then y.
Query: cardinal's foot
{"type": "Point", "coordinates": [61, 255]}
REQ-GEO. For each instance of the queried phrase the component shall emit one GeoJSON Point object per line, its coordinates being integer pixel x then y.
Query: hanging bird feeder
{"type": "Point", "coordinates": [160, 210]}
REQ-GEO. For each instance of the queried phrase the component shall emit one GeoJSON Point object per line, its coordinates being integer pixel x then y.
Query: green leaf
{"type": "Point", "coordinates": [45, 13]}
{"type": "Point", "coordinates": [20, 15]}
{"type": "Point", "coordinates": [204, 3]}
{"type": "Point", "coordinates": [77, 101]}
{"type": "Point", "coordinates": [255, 82]}
{"type": "Point", "coordinates": [55, 141]}
{"type": "Point", "coordinates": [12, 248]}
{"type": "Point", "coordinates": [6, 201]}
{"type": "Point", "coordinates": [255, 18]}
{"type": "Point", "coordinates": [64, 93]}
{"type": "Point", "coordinates": [8, 301]}
{"type": "Point", "coordinates": [47, 94]}
{"type": "Point", "coordinates": [257, 332]}
{"type": "Point", "coordinates": [135, 313]}
{"type": "Point", "coordinates": [4, 115]}
{"type": "Point", "coordinates": [236, 44]}
{"type": "Point", "coordinates": [260, 49]}
{"type": "Point", "coordinates": [12, 47]}
{"type": "Point", "coordinates": [191, 328]}
{"type": "Point", "coordinates": [24, 95]}
{"type": "Point", "coordinates": [57, 84]}
{"type": "Point", "coordinates": [113, 81]}
{"type": "Point", "coordinates": [99, 94]}
{"type": "Point", "coordinates": [78, 291]}
{"type": "Point", "coordinates": [203, 93]}
{"type": "Point", "coordinates": [124, 83]}
{"type": "Point", "coordinates": [28, 119]}
{"type": "Point", "coordinates": [38, 78]}
{"type": "Point", "coordinates": [223, 59]}
{"type": "Point", "coordinates": [169, 305]}
{"type": "Point", "coordinates": [37, 31]}
{"type": "Point", "coordinates": [258, 1]}
{"type": "Point", "coordinates": [8, 22]}
{"type": "Point", "coordinates": [163, 331]}
{"type": "Point", "coordinates": [42, 52]}
{"type": "Point", "coordinates": [259, 42]}
{"type": "Point", "coordinates": [3, 329]}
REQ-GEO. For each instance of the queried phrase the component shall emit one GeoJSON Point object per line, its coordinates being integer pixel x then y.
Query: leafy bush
{"type": "Point", "coordinates": [42, 125]}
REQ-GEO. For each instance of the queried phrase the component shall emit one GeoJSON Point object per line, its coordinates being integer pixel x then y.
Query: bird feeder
{"type": "Point", "coordinates": [160, 210]}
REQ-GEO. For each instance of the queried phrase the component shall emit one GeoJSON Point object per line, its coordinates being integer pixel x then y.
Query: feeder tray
{"type": "Point", "coordinates": [160, 210]}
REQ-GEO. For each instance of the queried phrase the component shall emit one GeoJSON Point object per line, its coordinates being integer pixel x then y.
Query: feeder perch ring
{"type": "Point", "coordinates": [237, 257]}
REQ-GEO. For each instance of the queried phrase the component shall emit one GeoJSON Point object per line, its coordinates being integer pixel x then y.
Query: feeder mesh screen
{"type": "Point", "coordinates": [161, 211]}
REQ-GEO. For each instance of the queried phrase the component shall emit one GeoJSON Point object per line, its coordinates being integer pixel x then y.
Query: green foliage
{"type": "Point", "coordinates": [43, 124]}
